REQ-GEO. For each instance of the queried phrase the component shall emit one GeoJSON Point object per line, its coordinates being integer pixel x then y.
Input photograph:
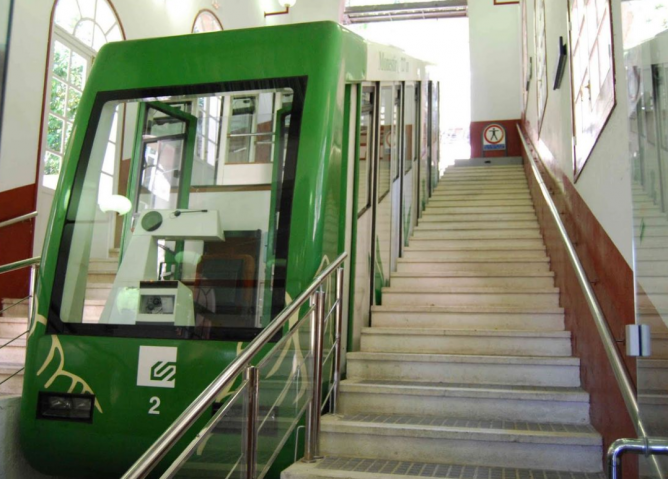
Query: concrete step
{"type": "Point", "coordinates": [487, 217]}
{"type": "Point", "coordinates": [13, 350]}
{"type": "Point", "coordinates": [485, 209]}
{"type": "Point", "coordinates": [432, 340]}
{"type": "Point", "coordinates": [519, 200]}
{"type": "Point", "coordinates": [464, 224]}
{"type": "Point", "coordinates": [460, 296]}
{"type": "Point", "coordinates": [480, 194]}
{"type": "Point", "coordinates": [93, 309]}
{"type": "Point", "coordinates": [480, 253]}
{"type": "Point", "coordinates": [99, 291]}
{"type": "Point", "coordinates": [478, 265]}
{"type": "Point", "coordinates": [479, 187]}
{"type": "Point", "coordinates": [480, 402]}
{"type": "Point", "coordinates": [476, 234]}
{"type": "Point", "coordinates": [447, 183]}
{"type": "Point", "coordinates": [342, 467]}
{"type": "Point", "coordinates": [461, 441]}
{"type": "Point", "coordinates": [10, 327]}
{"type": "Point", "coordinates": [418, 243]}
{"type": "Point", "coordinates": [652, 374]}
{"type": "Point", "coordinates": [18, 309]}
{"type": "Point", "coordinates": [13, 386]}
{"type": "Point", "coordinates": [644, 253]}
{"type": "Point", "coordinates": [444, 280]}
{"type": "Point", "coordinates": [478, 317]}
{"type": "Point", "coordinates": [472, 369]}
{"type": "Point", "coordinates": [646, 267]}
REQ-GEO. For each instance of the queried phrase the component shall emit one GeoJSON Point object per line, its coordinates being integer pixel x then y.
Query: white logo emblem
{"type": "Point", "coordinates": [157, 367]}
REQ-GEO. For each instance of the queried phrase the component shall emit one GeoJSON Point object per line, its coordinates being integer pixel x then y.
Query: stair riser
{"type": "Point", "coordinates": [483, 217]}
{"type": "Point", "coordinates": [479, 235]}
{"type": "Point", "coordinates": [653, 283]}
{"type": "Point", "coordinates": [652, 378]}
{"type": "Point", "coordinates": [486, 184]}
{"type": "Point", "coordinates": [507, 255]}
{"type": "Point", "coordinates": [13, 387]}
{"type": "Point", "coordinates": [18, 311]}
{"type": "Point", "coordinates": [488, 346]}
{"type": "Point", "coordinates": [463, 451]}
{"type": "Point", "coordinates": [496, 268]}
{"type": "Point", "coordinates": [650, 220]}
{"type": "Point", "coordinates": [11, 353]}
{"type": "Point", "coordinates": [660, 347]}
{"type": "Point", "coordinates": [652, 267]}
{"type": "Point", "coordinates": [659, 301]}
{"type": "Point", "coordinates": [476, 408]}
{"type": "Point", "coordinates": [516, 374]}
{"type": "Point", "coordinates": [471, 299]}
{"type": "Point", "coordinates": [12, 330]}
{"type": "Point", "coordinates": [532, 321]}
{"type": "Point", "coordinates": [476, 189]}
{"type": "Point", "coordinates": [465, 244]}
{"type": "Point", "coordinates": [92, 313]}
{"type": "Point", "coordinates": [430, 282]}
{"type": "Point", "coordinates": [106, 278]}
{"type": "Point", "coordinates": [524, 201]}
{"type": "Point", "coordinates": [98, 293]}
{"type": "Point", "coordinates": [653, 254]}
{"type": "Point", "coordinates": [464, 225]}
{"type": "Point", "coordinates": [431, 212]}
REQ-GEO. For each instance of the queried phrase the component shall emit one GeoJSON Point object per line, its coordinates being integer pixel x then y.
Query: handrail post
{"type": "Point", "coordinates": [253, 406]}
{"type": "Point", "coordinates": [338, 325]}
{"type": "Point", "coordinates": [313, 413]}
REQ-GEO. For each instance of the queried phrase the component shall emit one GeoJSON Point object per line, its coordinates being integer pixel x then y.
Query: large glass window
{"type": "Point", "coordinates": [366, 150]}
{"type": "Point", "coordinates": [207, 263]}
{"type": "Point", "coordinates": [81, 28]}
{"type": "Point", "coordinates": [410, 127]}
{"type": "Point", "coordinates": [387, 139]}
{"type": "Point", "coordinates": [206, 21]}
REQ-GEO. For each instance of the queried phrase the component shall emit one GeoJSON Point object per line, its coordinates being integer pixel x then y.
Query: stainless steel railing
{"type": "Point", "coordinates": [624, 382]}
{"type": "Point", "coordinates": [316, 297]}
{"type": "Point", "coordinates": [33, 264]}
{"type": "Point", "coordinates": [18, 219]}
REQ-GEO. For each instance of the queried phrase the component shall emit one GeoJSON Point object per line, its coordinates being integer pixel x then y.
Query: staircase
{"type": "Point", "coordinates": [14, 322]}
{"type": "Point", "coordinates": [467, 370]}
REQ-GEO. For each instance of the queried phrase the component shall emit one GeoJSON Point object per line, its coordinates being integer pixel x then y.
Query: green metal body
{"type": "Point", "coordinates": [330, 57]}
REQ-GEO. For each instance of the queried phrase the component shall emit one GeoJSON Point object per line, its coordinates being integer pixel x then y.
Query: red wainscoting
{"type": "Point", "coordinates": [612, 281]}
{"type": "Point", "coordinates": [16, 240]}
{"type": "Point", "coordinates": [514, 143]}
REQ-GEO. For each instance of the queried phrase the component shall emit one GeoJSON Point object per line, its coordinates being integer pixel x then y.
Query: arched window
{"type": "Point", "coordinates": [206, 21]}
{"type": "Point", "coordinates": [80, 29]}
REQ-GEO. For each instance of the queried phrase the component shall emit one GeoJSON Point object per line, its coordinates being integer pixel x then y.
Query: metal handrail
{"type": "Point", "coordinates": [150, 459]}
{"type": "Point", "coordinates": [18, 219]}
{"type": "Point", "coordinates": [621, 375]}
{"type": "Point", "coordinates": [24, 263]}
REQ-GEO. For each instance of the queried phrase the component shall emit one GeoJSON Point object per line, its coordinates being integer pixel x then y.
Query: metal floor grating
{"type": "Point", "coordinates": [448, 471]}
{"type": "Point", "coordinates": [471, 423]}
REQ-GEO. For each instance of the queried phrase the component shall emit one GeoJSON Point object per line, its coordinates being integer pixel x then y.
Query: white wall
{"type": "Point", "coordinates": [605, 181]}
{"type": "Point", "coordinates": [494, 33]}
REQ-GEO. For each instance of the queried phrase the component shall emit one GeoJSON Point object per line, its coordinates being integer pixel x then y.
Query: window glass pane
{"type": "Point", "coordinates": [214, 258]}
{"type": "Point", "coordinates": [104, 16]}
{"type": "Point", "coordinates": [52, 163]}
{"type": "Point", "coordinates": [84, 32]}
{"type": "Point", "coordinates": [55, 134]}
{"type": "Point", "coordinates": [58, 93]}
{"type": "Point", "coordinates": [206, 22]}
{"type": "Point", "coordinates": [73, 100]}
{"type": "Point", "coordinates": [87, 8]}
{"type": "Point", "coordinates": [78, 70]}
{"type": "Point", "coordinates": [250, 137]}
{"type": "Point", "coordinates": [67, 14]}
{"type": "Point", "coordinates": [99, 38]}
{"type": "Point", "coordinates": [366, 150]}
{"type": "Point", "coordinates": [115, 34]}
{"type": "Point", "coordinates": [409, 133]}
{"type": "Point", "coordinates": [385, 140]}
{"type": "Point", "coordinates": [68, 132]}
{"type": "Point", "coordinates": [61, 60]}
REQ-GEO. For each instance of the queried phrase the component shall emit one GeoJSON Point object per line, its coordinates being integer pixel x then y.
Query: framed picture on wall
{"type": "Point", "coordinates": [541, 60]}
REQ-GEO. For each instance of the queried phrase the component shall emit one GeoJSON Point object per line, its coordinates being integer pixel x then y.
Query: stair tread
{"type": "Point", "coordinates": [472, 274]}
{"type": "Point", "coordinates": [471, 290]}
{"type": "Point", "coordinates": [500, 259]}
{"type": "Point", "coordinates": [469, 309]}
{"type": "Point", "coordinates": [10, 367]}
{"type": "Point", "coordinates": [345, 467]}
{"type": "Point", "coordinates": [467, 389]}
{"type": "Point", "coordinates": [464, 358]}
{"type": "Point", "coordinates": [475, 429]}
{"type": "Point", "coordinates": [467, 332]}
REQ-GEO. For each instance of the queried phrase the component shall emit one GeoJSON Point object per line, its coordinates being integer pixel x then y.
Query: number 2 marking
{"type": "Point", "coordinates": [155, 400]}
